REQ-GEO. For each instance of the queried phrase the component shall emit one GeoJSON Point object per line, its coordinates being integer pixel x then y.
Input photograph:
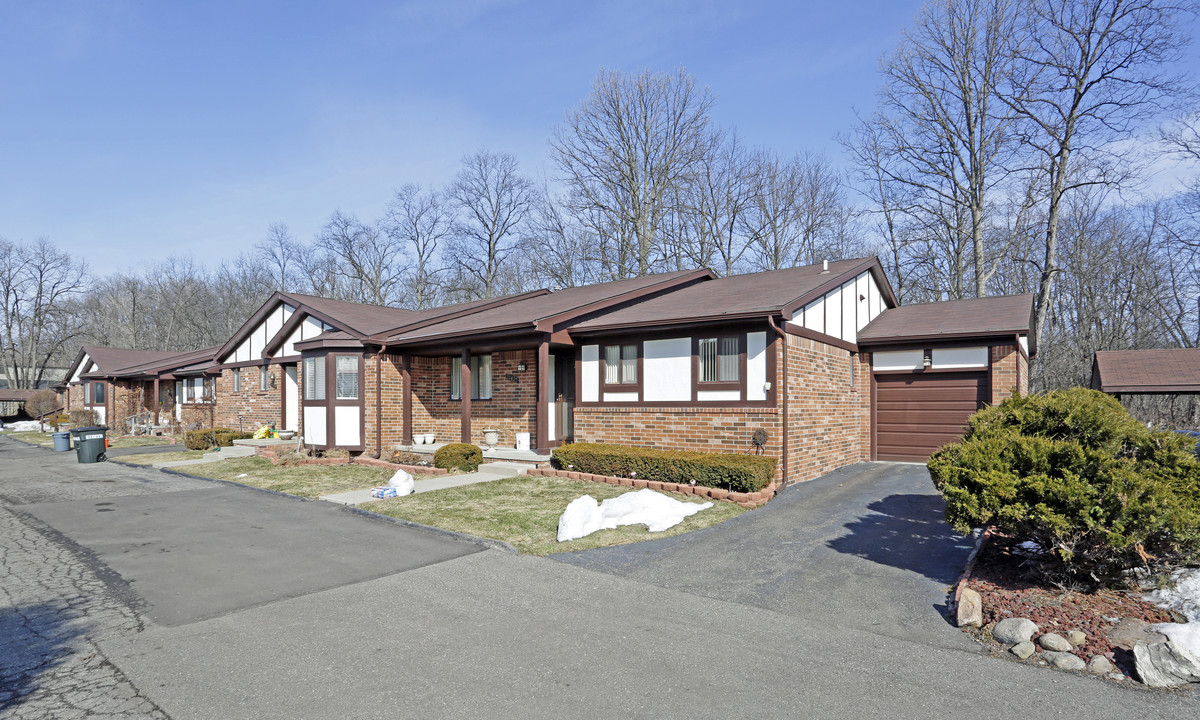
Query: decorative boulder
{"type": "Point", "coordinates": [1165, 664]}
{"type": "Point", "coordinates": [403, 482]}
{"type": "Point", "coordinates": [1131, 631]}
{"type": "Point", "coordinates": [1064, 660]}
{"type": "Point", "coordinates": [1076, 637]}
{"type": "Point", "coordinates": [970, 608]}
{"type": "Point", "coordinates": [1054, 643]}
{"type": "Point", "coordinates": [1011, 631]}
{"type": "Point", "coordinates": [1100, 665]}
{"type": "Point", "coordinates": [1023, 650]}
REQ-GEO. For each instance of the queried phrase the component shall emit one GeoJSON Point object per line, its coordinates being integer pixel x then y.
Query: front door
{"type": "Point", "coordinates": [562, 393]}
{"type": "Point", "coordinates": [291, 399]}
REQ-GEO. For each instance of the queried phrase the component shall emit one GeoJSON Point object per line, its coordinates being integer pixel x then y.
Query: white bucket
{"type": "Point", "coordinates": [523, 441]}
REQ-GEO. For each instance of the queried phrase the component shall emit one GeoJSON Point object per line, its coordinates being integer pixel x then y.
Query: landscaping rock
{"type": "Point", "coordinates": [1131, 631]}
{"type": "Point", "coordinates": [1011, 631]}
{"type": "Point", "coordinates": [1100, 665]}
{"type": "Point", "coordinates": [1054, 642]}
{"type": "Point", "coordinates": [1023, 650]}
{"type": "Point", "coordinates": [1064, 660]}
{"type": "Point", "coordinates": [1165, 664]}
{"type": "Point", "coordinates": [970, 608]}
{"type": "Point", "coordinates": [1076, 637]}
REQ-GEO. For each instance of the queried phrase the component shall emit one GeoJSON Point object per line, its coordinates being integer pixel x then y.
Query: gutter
{"type": "Point", "coordinates": [784, 389]}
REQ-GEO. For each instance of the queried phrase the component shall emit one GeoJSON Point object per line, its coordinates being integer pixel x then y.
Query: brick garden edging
{"type": "Point", "coordinates": [750, 500]}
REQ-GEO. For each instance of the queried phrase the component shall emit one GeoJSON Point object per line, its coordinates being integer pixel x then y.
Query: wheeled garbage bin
{"type": "Point", "coordinates": [89, 444]}
{"type": "Point", "coordinates": [62, 441]}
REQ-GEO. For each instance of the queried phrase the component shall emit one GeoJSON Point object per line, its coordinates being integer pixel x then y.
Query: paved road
{"type": "Point", "coordinates": [489, 634]}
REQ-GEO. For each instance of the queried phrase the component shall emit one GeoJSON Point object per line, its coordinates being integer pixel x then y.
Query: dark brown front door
{"type": "Point", "coordinates": [916, 414]}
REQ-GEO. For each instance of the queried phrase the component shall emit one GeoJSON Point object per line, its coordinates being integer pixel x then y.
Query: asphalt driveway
{"type": "Point", "coordinates": [865, 546]}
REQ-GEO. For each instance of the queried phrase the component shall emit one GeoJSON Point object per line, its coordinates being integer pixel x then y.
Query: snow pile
{"type": "Point", "coordinates": [403, 482]}
{"type": "Point", "coordinates": [1183, 596]}
{"type": "Point", "coordinates": [656, 511]}
{"type": "Point", "coordinates": [24, 426]}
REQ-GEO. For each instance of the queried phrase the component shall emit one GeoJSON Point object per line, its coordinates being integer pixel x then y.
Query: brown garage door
{"type": "Point", "coordinates": [916, 414]}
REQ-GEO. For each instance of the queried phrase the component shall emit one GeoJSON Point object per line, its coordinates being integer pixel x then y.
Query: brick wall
{"type": "Point", "coordinates": [512, 408]}
{"type": "Point", "coordinates": [251, 408]}
{"type": "Point", "coordinates": [385, 372]}
{"type": "Point", "coordinates": [829, 412]}
{"type": "Point", "coordinates": [1006, 359]}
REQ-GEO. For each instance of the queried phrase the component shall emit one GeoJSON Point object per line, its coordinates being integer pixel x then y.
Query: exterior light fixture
{"type": "Point", "coordinates": [926, 362]}
{"type": "Point", "coordinates": [273, 385]}
{"type": "Point", "coordinates": [520, 367]}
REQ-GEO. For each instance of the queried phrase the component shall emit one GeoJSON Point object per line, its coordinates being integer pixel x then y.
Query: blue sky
{"type": "Point", "coordinates": [137, 130]}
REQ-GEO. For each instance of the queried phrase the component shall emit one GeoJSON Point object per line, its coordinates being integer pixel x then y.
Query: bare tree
{"type": "Point", "coordinates": [280, 251]}
{"type": "Point", "coordinates": [493, 200]}
{"type": "Point", "coordinates": [369, 261]}
{"type": "Point", "coordinates": [794, 206]}
{"type": "Point", "coordinates": [419, 222]}
{"type": "Point", "coordinates": [37, 281]}
{"type": "Point", "coordinates": [624, 153]}
{"type": "Point", "coordinates": [1089, 71]}
{"type": "Point", "coordinates": [560, 251]}
{"type": "Point", "coordinates": [712, 205]}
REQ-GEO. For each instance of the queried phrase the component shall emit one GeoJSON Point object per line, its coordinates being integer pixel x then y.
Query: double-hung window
{"type": "Point", "coordinates": [346, 377]}
{"type": "Point", "coordinates": [314, 378]}
{"type": "Point", "coordinates": [237, 380]}
{"type": "Point", "coordinates": [481, 377]}
{"type": "Point", "coordinates": [720, 360]}
{"type": "Point", "coordinates": [620, 364]}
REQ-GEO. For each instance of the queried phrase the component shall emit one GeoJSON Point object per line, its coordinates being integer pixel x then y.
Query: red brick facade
{"type": "Point", "coordinates": [829, 408]}
{"type": "Point", "coordinates": [1010, 369]}
{"type": "Point", "coordinates": [250, 408]}
{"type": "Point", "coordinates": [511, 409]}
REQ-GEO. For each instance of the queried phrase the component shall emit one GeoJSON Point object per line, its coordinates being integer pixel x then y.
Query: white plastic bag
{"type": "Point", "coordinates": [403, 482]}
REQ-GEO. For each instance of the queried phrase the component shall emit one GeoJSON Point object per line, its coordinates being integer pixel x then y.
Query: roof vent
{"type": "Point", "coordinates": [824, 266]}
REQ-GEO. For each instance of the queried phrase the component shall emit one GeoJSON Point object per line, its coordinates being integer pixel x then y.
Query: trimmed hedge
{"type": "Point", "coordinates": [225, 439]}
{"type": "Point", "coordinates": [736, 473]}
{"type": "Point", "coordinates": [458, 456]}
{"type": "Point", "coordinates": [1074, 473]}
{"type": "Point", "coordinates": [204, 439]}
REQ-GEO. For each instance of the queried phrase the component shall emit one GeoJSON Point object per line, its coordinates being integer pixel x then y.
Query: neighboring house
{"type": "Point", "coordinates": [1169, 371]}
{"type": "Point", "coordinates": [11, 399]}
{"type": "Point", "coordinates": [121, 383]}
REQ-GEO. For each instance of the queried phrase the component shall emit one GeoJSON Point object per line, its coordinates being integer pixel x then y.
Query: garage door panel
{"type": "Point", "coordinates": [916, 414]}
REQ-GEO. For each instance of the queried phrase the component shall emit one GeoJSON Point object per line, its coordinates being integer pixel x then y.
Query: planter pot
{"type": "Point", "coordinates": [491, 438]}
{"type": "Point", "coordinates": [287, 434]}
{"type": "Point", "coordinates": [428, 438]}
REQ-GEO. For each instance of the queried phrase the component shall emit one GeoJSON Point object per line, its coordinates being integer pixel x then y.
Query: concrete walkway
{"type": "Point", "coordinates": [486, 473]}
{"type": "Point", "coordinates": [224, 453]}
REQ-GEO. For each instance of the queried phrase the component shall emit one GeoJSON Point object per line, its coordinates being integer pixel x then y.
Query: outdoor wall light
{"type": "Point", "coordinates": [926, 362]}
{"type": "Point", "coordinates": [273, 385]}
{"type": "Point", "coordinates": [520, 367]}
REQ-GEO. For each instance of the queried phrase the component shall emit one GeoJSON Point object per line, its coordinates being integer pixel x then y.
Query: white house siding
{"type": "Point", "coordinates": [347, 422]}
{"type": "Point", "coordinates": [314, 425]}
{"type": "Point", "coordinates": [589, 374]}
{"type": "Point", "coordinates": [718, 395]}
{"type": "Point", "coordinates": [621, 397]}
{"type": "Point", "coordinates": [756, 366]}
{"type": "Point", "coordinates": [842, 312]}
{"type": "Point", "coordinates": [667, 365]}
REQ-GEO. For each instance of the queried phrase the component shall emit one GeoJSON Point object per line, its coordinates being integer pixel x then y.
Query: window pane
{"type": "Point", "coordinates": [708, 360]}
{"type": "Point", "coordinates": [482, 379]}
{"type": "Point", "coordinates": [237, 379]}
{"type": "Point", "coordinates": [99, 393]}
{"type": "Point", "coordinates": [347, 377]}
{"type": "Point", "coordinates": [612, 364]}
{"type": "Point", "coordinates": [262, 378]}
{"type": "Point", "coordinates": [314, 378]}
{"type": "Point", "coordinates": [729, 360]}
{"type": "Point", "coordinates": [629, 363]}
{"type": "Point", "coordinates": [455, 378]}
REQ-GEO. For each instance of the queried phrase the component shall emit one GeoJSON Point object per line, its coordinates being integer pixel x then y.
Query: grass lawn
{"type": "Point", "coordinates": [523, 512]}
{"type": "Point", "coordinates": [33, 437]}
{"type": "Point", "coordinates": [43, 438]}
{"type": "Point", "coordinates": [308, 481]}
{"type": "Point", "coordinates": [149, 458]}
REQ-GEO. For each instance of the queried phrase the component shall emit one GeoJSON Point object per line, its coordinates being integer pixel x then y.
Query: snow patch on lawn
{"type": "Point", "coordinates": [656, 511]}
{"type": "Point", "coordinates": [24, 426]}
{"type": "Point", "coordinates": [1183, 596]}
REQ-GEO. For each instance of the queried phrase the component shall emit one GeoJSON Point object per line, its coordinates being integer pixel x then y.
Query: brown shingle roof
{"type": "Point", "coordinates": [111, 360]}
{"type": "Point", "coordinates": [978, 317]}
{"type": "Point", "coordinates": [172, 362]}
{"type": "Point", "coordinates": [735, 296]}
{"type": "Point", "coordinates": [355, 317]}
{"type": "Point", "coordinates": [1173, 370]}
{"type": "Point", "coordinates": [527, 313]}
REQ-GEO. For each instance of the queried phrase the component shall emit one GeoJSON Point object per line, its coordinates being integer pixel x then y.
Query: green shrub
{"type": "Point", "coordinates": [458, 456]}
{"type": "Point", "coordinates": [1073, 472]}
{"type": "Point", "coordinates": [205, 438]}
{"type": "Point", "coordinates": [84, 418]}
{"type": "Point", "coordinates": [225, 439]}
{"type": "Point", "coordinates": [737, 473]}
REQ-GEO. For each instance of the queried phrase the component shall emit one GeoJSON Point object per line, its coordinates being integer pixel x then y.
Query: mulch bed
{"type": "Point", "coordinates": [1003, 579]}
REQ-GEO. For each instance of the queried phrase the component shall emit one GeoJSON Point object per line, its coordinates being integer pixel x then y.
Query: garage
{"type": "Point", "coordinates": [916, 413]}
{"type": "Point", "coordinates": [934, 365]}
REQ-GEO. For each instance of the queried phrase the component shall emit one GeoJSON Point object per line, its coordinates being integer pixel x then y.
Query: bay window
{"type": "Point", "coordinates": [314, 378]}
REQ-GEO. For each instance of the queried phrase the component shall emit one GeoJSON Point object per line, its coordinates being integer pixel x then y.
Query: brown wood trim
{"type": "Point", "coordinates": [960, 339]}
{"type": "Point", "coordinates": [874, 404]}
{"type": "Point", "coordinates": [701, 405]}
{"type": "Point", "coordinates": [741, 385]}
{"type": "Point", "coordinates": [406, 394]}
{"type": "Point", "coordinates": [319, 343]}
{"type": "Point", "coordinates": [464, 391]}
{"type": "Point", "coordinates": [799, 331]}
{"type": "Point", "coordinates": [636, 342]}
{"type": "Point", "coordinates": [542, 396]}
{"type": "Point", "coordinates": [379, 402]}
{"type": "Point", "coordinates": [836, 281]}
{"type": "Point", "coordinates": [244, 331]}
{"type": "Point", "coordinates": [934, 371]}
{"type": "Point", "coordinates": [283, 360]}
{"type": "Point", "coordinates": [285, 331]}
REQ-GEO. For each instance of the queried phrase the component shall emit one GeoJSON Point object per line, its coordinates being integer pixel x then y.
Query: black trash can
{"type": "Point", "coordinates": [89, 444]}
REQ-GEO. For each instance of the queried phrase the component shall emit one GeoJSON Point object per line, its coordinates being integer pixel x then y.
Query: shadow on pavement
{"type": "Point", "coordinates": [33, 641]}
{"type": "Point", "coordinates": [908, 532]}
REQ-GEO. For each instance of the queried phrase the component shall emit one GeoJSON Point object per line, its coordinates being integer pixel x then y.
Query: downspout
{"type": "Point", "coordinates": [379, 402]}
{"type": "Point", "coordinates": [784, 387]}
